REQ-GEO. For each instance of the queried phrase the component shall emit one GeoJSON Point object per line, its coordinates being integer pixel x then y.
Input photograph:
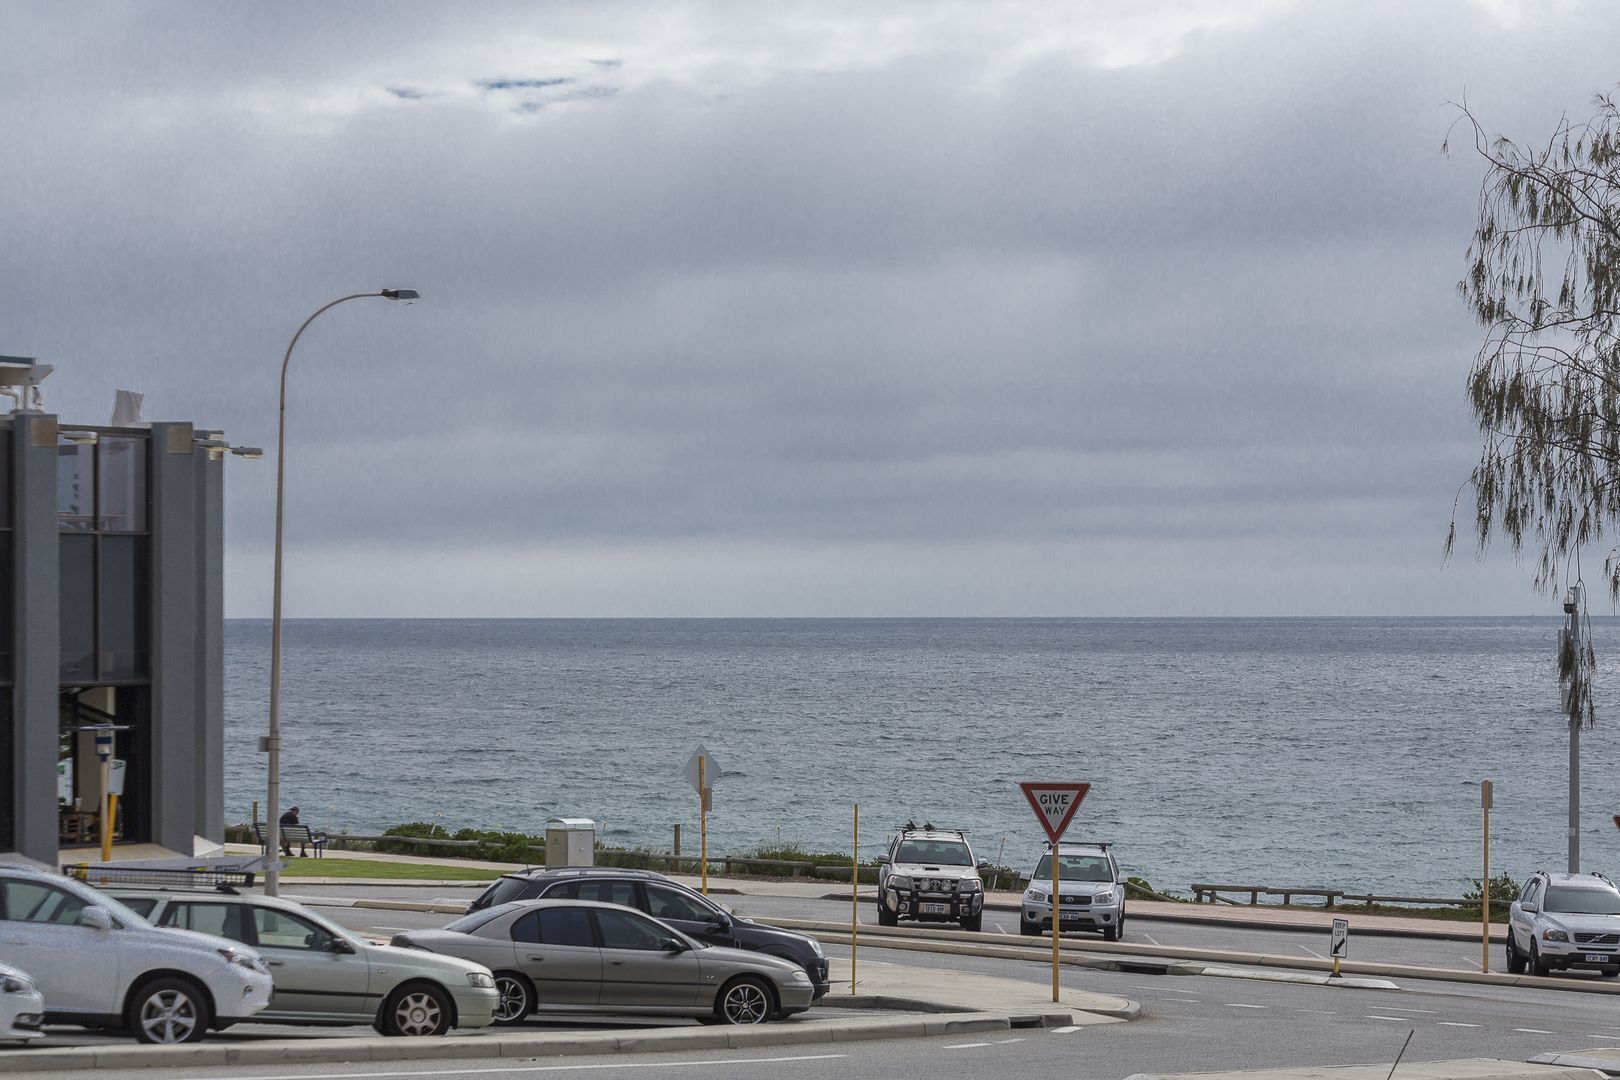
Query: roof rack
{"type": "Point", "coordinates": [199, 879]}
{"type": "Point", "coordinates": [1104, 844]}
{"type": "Point", "coordinates": [929, 826]}
{"type": "Point", "coordinates": [1603, 878]}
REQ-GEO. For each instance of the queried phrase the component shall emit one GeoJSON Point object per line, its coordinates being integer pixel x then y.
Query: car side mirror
{"type": "Point", "coordinates": [1529, 909]}
{"type": "Point", "coordinates": [96, 917]}
{"type": "Point", "coordinates": [339, 946]}
{"type": "Point", "coordinates": [883, 860]}
{"type": "Point", "coordinates": [984, 864]}
{"type": "Point", "coordinates": [674, 945]}
{"type": "Point", "coordinates": [722, 920]}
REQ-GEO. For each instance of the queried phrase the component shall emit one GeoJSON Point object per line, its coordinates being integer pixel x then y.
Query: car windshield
{"type": "Point", "coordinates": [1076, 868]}
{"type": "Point", "coordinates": [1574, 901]}
{"type": "Point", "coordinates": [934, 852]}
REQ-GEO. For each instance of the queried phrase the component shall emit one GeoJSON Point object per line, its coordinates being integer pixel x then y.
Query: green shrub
{"type": "Point", "coordinates": [1504, 890]}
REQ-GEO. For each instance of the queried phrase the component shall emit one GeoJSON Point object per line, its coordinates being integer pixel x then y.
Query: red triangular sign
{"type": "Point", "coordinates": [1055, 804]}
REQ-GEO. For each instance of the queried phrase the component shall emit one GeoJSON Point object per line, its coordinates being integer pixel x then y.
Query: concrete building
{"type": "Point", "coordinates": [111, 612]}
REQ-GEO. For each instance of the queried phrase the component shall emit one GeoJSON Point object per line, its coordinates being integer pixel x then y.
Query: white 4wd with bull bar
{"type": "Point", "coordinates": [930, 875]}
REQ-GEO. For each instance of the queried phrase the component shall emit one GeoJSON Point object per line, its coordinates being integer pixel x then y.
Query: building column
{"type": "Point", "coordinates": [210, 681]}
{"type": "Point", "coordinates": [176, 628]}
{"type": "Point", "coordinates": [36, 652]}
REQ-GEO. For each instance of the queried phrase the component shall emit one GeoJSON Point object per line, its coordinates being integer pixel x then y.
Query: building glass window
{"type": "Point", "coordinates": [77, 590]}
{"type": "Point", "coordinates": [121, 506]}
{"type": "Point", "coordinates": [76, 486]}
{"type": "Point", "coordinates": [102, 514]}
{"type": "Point", "coordinates": [124, 606]}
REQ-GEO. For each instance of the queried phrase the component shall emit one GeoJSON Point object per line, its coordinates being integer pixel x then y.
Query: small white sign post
{"type": "Point", "coordinates": [700, 771]}
{"type": "Point", "coordinates": [1339, 943]}
{"type": "Point", "coordinates": [1055, 804]}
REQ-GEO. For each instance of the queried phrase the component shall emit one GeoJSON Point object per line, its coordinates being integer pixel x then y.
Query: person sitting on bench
{"type": "Point", "coordinates": [291, 818]}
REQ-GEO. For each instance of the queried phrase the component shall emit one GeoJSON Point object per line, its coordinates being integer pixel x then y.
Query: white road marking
{"type": "Point", "coordinates": [1066, 1029]}
{"type": "Point", "coordinates": [1400, 1019]}
{"type": "Point", "coordinates": [1003, 930]}
{"type": "Point", "coordinates": [1454, 1023]}
{"type": "Point", "coordinates": [1534, 1031]}
{"type": "Point", "coordinates": [390, 928]}
{"type": "Point", "coordinates": [1004, 1042]}
{"type": "Point", "coordinates": [1152, 940]}
{"type": "Point", "coordinates": [1402, 1008]}
{"type": "Point", "coordinates": [1320, 1012]}
{"type": "Point", "coordinates": [544, 1068]}
{"type": "Point", "coordinates": [1312, 952]}
{"type": "Point", "coordinates": [1240, 1005]}
{"type": "Point", "coordinates": [966, 1046]}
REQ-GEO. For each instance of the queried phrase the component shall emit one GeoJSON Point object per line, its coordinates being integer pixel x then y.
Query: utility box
{"type": "Point", "coordinates": [570, 841]}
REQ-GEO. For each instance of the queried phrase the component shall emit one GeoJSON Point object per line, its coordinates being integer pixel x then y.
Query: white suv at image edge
{"type": "Point", "coordinates": [99, 964]}
{"type": "Point", "coordinates": [22, 1006]}
{"type": "Point", "coordinates": [1565, 921]}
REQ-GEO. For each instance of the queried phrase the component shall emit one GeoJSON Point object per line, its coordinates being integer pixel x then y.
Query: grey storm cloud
{"type": "Point", "coordinates": [885, 304]}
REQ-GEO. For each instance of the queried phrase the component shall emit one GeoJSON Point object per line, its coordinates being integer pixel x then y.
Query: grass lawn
{"type": "Point", "coordinates": [333, 867]}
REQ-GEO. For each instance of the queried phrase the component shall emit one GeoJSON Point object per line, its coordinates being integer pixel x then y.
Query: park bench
{"type": "Point", "coordinates": [301, 835]}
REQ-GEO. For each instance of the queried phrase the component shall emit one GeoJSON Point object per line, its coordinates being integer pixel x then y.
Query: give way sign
{"type": "Point", "coordinates": [1055, 804]}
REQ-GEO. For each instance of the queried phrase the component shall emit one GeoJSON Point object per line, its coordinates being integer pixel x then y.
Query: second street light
{"type": "Point", "coordinates": [272, 742]}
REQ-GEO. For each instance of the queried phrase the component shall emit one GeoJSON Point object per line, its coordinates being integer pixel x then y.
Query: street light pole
{"type": "Point", "coordinates": [272, 742]}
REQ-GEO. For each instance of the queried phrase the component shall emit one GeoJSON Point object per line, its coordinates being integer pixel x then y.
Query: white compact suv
{"type": "Point", "coordinates": [99, 964]}
{"type": "Point", "coordinates": [1092, 896]}
{"type": "Point", "coordinates": [930, 875]}
{"type": "Point", "coordinates": [1565, 921]}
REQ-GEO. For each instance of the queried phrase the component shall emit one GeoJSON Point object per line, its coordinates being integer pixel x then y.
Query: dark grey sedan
{"type": "Point", "coordinates": [577, 956]}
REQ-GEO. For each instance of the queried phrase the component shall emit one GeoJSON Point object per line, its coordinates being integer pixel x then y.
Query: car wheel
{"type": "Point", "coordinates": [974, 924]}
{"type": "Point", "coordinates": [1029, 929]}
{"type": "Point", "coordinates": [168, 1011]}
{"type": "Point", "coordinates": [1538, 966]}
{"type": "Point", "coordinates": [1611, 972]}
{"type": "Point", "coordinates": [747, 1000]}
{"type": "Point", "coordinates": [516, 999]}
{"type": "Point", "coordinates": [417, 1009]}
{"type": "Point", "coordinates": [1119, 924]}
{"type": "Point", "coordinates": [1515, 959]}
{"type": "Point", "coordinates": [887, 917]}
{"type": "Point", "coordinates": [1110, 933]}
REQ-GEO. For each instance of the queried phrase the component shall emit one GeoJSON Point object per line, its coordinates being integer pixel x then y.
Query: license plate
{"type": "Point", "coordinates": [1597, 958]}
{"type": "Point", "coordinates": [1071, 916]}
{"type": "Point", "coordinates": [935, 909]}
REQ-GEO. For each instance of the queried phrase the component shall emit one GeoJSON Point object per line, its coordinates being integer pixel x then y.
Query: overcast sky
{"type": "Point", "coordinates": [927, 308]}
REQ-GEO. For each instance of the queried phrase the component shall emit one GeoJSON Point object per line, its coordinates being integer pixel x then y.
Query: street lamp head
{"type": "Point", "coordinates": [252, 453]}
{"type": "Point", "coordinates": [404, 296]}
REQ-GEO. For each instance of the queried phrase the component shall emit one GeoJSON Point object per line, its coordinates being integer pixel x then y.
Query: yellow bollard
{"type": "Point", "coordinates": [854, 898]}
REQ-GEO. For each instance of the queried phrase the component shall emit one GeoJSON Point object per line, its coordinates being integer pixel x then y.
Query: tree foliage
{"type": "Point", "coordinates": [1544, 280]}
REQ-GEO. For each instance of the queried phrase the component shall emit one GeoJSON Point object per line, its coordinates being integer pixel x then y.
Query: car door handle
{"type": "Point", "coordinates": [275, 963]}
{"type": "Point", "coordinates": [616, 963]}
{"type": "Point", "coordinates": [536, 958]}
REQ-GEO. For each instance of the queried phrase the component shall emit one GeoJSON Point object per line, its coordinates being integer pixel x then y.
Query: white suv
{"type": "Point", "coordinates": [1092, 896]}
{"type": "Point", "coordinates": [930, 875]}
{"type": "Point", "coordinates": [1565, 921]}
{"type": "Point", "coordinates": [99, 964]}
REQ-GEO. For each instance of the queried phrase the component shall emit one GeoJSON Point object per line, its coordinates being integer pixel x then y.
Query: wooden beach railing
{"type": "Point", "coordinates": [1207, 893]}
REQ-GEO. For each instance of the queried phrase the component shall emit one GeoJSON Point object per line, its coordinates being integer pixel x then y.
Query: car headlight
{"type": "Point", "coordinates": [1554, 935]}
{"type": "Point", "coordinates": [480, 980]}
{"type": "Point", "coordinates": [1103, 896]}
{"type": "Point", "coordinates": [13, 984]}
{"type": "Point", "coordinates": [899, 881]}
{"type": "Point", "coordinates": [815, 948]}
{"type": "Point", "coordinates": [971, 884]}
{"type": "Point", "coordinates": [244, 960]}
{"type": "Point", "coordinates": [800, 975]}
{"type": "Point", "coordinates": [1035, 896]}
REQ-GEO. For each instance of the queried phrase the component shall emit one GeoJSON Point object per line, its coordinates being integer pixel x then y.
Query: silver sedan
{"type": "Point", "coordinates": [583, 957]}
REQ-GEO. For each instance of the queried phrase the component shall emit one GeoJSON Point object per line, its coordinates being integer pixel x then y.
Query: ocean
{"type": "Point", "coordinates": [1342, 752]}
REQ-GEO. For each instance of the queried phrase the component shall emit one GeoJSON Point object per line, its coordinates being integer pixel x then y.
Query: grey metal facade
{"type": "Point", "coordinates": [148, 576]}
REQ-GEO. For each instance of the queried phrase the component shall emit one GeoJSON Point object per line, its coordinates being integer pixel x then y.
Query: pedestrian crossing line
{"type": "Point", "coordinates": [1534, 1031]}
{"type": "Point", "coordinates": [1398, 1019]}
{"type": "Point", "coordinates": [1240, 1005]}
{"type": "Point", "coordinates": [1454, 1023]}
